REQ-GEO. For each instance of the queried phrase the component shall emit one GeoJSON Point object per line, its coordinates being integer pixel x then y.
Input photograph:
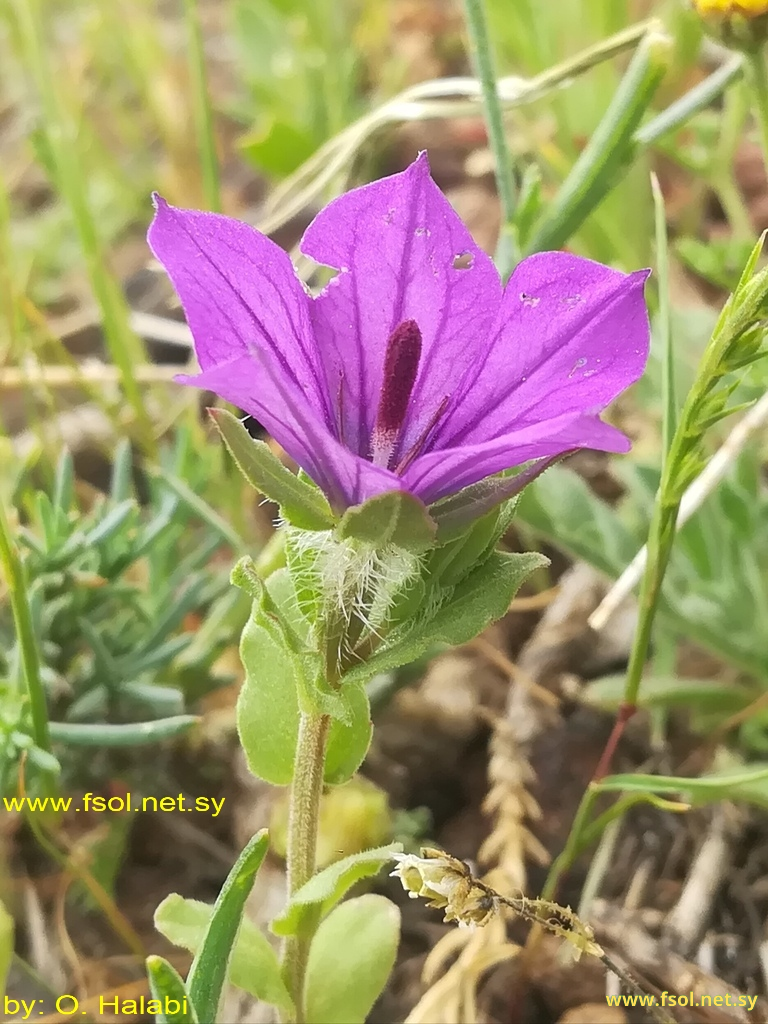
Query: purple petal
{"type": "Point", "coordinates": [283, 410]}
{"type": "Point", "coordinates": [570, 336]}
{"type": "Point", "coordinates": [240, 294]}
{"type": "Point", "coordinates": [438, 474]}
{"type": "Point", "coordinates": [395, 242]}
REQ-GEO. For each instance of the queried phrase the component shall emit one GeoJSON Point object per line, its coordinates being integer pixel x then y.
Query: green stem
{"type": "Point", "coordinates": [732, 122]}
{"type": "Point", "coordinates": [206, 137]}
{"type": "Point", "coordinates": [611, 149]}
{"type": "Point", "coordinates": [757, 75]}
{"type": "Point", "coordinates": [668, 389]}
{"type": "Point", "coordinates": [562, 863]}
{"type": "Point", "coordinates": [25, 632]}
{"type": "Point", "coordinates": [306, 791]}
{"type": "Point", "coordinates": [477, 26]}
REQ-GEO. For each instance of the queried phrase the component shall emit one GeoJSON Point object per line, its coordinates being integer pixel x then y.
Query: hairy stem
{"type": "Point", "coordinates": [477, 26]}
{"type": "Point", "coordinates": [306, 791]}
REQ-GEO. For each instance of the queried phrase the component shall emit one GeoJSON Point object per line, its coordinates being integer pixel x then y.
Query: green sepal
{"type": "Point", "coordinates": [324, 890]}
{"type": "Point", "coordinates": [457, 514]}
{"type": "Point", "coordinates": [464, 611]}
{"type": "Point", "coordinates": [301, 560]}
{"type": "Point", "coordinates": [350, 959]}
{"type": "Point", "coordinates": [450, 563]}
{"type": "Point", "coordinates": [301, 503]}
{"type": "Point", "coordinates": [282, 618]}
{"type": "Point", "coordinates": [395, 518]}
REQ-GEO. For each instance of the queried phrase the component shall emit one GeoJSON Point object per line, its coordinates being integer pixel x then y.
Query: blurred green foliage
{"type": "Point", "coordinates": [120, 595]}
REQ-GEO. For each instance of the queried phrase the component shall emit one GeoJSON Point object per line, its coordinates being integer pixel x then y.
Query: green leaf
{"type": "Point", "coordinates": [6, 944]}
{"type": "Point", "coordinates": [276, 147]}
{"type": "Point", "coordinates": [167, 987]}
{"type": "Point", "coordinates": [610, 150]}
{"type": "Point", "coordinates": [301, 503]}
{"type": "Point", "coordinates": [253, 964]}
{"type": "Point", "coordinates": [268, 704]}
{"type": "Point", "coordinates": [350, 959]}
{"type": "Point", "coordinates": [324, 890]}
{"type": "Point", "coordinates": [348, 741]}
{"type": "Point", "coordinates": [208, 972]}
{"type": "Point", "coordinates": [754, 792]}
{"type": "Point", "coordinates": [705, 789]}
{"type": "Point", "coordinates": [668, 691]}
{"type": "Point", "coordinates": [393, 518]}
{"type": "Point", "coordinates": [449, 564]}
{"type": "Point", "coordinates": [482, 597]}
{"type": "Point", "coordinates": [134, 734]}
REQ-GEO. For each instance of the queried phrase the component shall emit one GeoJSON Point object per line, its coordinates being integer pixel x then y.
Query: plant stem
{"type": "Point", "coordinates": [13, 570]}
{"type": "Point", "coordinates": [757, 76]}
{"type": "Point", "coordinates": [206, 137]}
{"type": "Point", "coordinates": [477, 26]}
{"type": "Point", "coordinates": [306, 791]}
{"type": "Point", "coordinates": [668, 389]}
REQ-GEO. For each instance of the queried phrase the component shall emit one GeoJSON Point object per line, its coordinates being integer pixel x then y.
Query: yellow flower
{"type": "Point", "coordinates": [746, 8]}
{"type": "Point", "coordinates": [741, 24]}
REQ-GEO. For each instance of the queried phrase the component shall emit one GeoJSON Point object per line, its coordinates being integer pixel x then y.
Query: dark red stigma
{"type": "Point", "coordinates": [401, 365]}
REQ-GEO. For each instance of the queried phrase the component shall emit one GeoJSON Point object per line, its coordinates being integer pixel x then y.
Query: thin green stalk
{"type": "Point", "coordinates": [691, 103]}
{"type": "Point", "coordinates": [306, 790]}
{"type": "Point", "coordinates": [206, 137]}
{"type": "Point", "coordinates": [734, 117]}
{"type": "Point", "coordinates": [757, 76]}
{"type": "Point", "coordinates": [664, 322]}
{"type": "Point", "coordinates": [571, 849]}
{"type": "Point", "coordinates": [611, 149]}
{"type": "Point", "coordinates": [735, 343]}
{"type": "Point", "coordinates": [477, 26]}
{"type": "Point", "coordinates": [13, 570]}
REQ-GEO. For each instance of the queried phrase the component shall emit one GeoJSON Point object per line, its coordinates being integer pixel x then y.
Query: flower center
{"type": "Point", "coordinates": [401, 364]}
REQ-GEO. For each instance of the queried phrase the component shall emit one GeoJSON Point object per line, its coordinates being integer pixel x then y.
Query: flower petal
{"type": "Point", "coordinates": [438, 474]}
{"type": "Point", "coordinates": [240, 294]}
{"type": "Point", "coordinates": [283, 410]}
{"type": "Point", "coordinates": [571, 335]}
{"type": "Point", "coordinates": [395, 242]}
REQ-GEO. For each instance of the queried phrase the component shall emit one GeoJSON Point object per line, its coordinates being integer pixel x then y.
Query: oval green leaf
{"type": "Point", "coordinates": [350, 959]}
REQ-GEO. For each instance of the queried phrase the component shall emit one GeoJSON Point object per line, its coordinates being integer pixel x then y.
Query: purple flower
{"type": "Point", "coordinates": [414, 369]}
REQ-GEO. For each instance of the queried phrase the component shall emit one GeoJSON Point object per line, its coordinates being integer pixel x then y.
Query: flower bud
{"type": "Point", "coordinates": [741, 24]}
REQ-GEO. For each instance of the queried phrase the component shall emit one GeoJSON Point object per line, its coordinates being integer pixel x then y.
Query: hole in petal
{"type": "Point", "coordinates": [463, 261]}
